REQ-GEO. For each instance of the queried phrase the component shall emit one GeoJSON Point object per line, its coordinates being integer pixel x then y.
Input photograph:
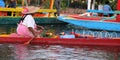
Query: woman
{"type": "Point", "coordinates": [27, 26]}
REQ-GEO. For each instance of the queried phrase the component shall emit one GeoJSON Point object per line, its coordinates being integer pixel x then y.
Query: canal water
{"type": "Point", "coordinates": [59, 52]}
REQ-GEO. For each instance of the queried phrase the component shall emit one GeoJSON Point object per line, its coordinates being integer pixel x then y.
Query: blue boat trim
{"type": "Point", "coordinates": [110, 26]}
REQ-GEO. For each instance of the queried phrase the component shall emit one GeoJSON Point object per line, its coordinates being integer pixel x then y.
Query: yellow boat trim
{"type": "Point", "coordinates": [4, 35]}
{"type": "Point", "coordinates": [18, 10]}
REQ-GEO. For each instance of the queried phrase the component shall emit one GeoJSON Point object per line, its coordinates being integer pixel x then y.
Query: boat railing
{"type": "Point", "coordinates": [102, 12]}
{"type": "Point", "coordinates": [98, 34]}
{"type": "Point", "coordinates": [114, 35]}
{"type": "Point", "coordinates": [17, 11]}
{"type": "Point", "coordinates": [105, 34]}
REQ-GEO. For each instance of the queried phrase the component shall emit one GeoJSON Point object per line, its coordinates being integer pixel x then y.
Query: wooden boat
{"type": "Point", "coordinates": [63, 41]}
{"type": "Point", "coordinates": [92, 22]}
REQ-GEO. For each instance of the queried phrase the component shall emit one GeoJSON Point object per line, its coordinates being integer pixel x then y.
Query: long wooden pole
{"type": "Point", "coordinates": [22, 2]}
{"type": "Point", "coordinates": [93, 4]}
{"type": "Point", "coordinates": [51, 4]}
{"type": "Point", "coordinates": [89, 6]}
{"type": "Point", "coordinates": [26, 2]}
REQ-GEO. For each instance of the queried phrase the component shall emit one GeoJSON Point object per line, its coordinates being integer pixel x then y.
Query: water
{"type": "Point", "coordinates": [55, 52]}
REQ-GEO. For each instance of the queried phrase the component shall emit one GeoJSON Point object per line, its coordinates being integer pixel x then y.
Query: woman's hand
{"type": "Point", "coordinates": [41, 27]}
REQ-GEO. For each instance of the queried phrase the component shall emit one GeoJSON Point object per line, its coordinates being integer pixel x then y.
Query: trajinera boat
{"type": "Point", "coordinates": [98, 23]}
{"type": "Point", "coordinates": [111, 23]}
{"type": "Point", "coordinates": [82, 41]}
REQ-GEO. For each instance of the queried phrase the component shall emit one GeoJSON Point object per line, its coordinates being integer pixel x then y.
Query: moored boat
{"type": "Point", "coordinates": [92, 22]}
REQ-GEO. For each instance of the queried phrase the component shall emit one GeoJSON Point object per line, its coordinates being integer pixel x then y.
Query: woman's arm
{"type": "Point", "coordinates": [41, 27]}
{"type": "Point", "coordinates": [32, 30]}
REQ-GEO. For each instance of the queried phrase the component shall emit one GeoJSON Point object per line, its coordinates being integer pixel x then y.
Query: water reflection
{"type": "Point", "coordinates": [20, 52]}
{"type": "Point", "coordinates": [6, 52]}
{"type": "Point", "coordinates": [57, 52]}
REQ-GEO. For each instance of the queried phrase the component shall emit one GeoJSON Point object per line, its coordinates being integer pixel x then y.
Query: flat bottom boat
{"type": "Point", "coordinates": [63, 41]}
{"type": "Point", "coordinates": [98, 23]}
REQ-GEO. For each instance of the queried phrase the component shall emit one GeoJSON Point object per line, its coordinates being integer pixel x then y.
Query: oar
{"type": "Point", "coordinates": [28, 42]}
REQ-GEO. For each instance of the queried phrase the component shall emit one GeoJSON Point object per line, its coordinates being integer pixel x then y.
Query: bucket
{"type": "Point", "coordinates": [67, 36]}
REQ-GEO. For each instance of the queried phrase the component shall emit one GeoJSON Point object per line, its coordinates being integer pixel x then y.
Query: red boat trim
{"type": "Point", "coordinates": [64, 41]}
{"type": "Point", "coordinates": [91, 18]}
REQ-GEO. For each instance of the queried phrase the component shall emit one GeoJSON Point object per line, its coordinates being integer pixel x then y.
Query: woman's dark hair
{"type": "Point", "coordinates": [107, 2]}
{"type": "Point", "coordinates": [22, 18]}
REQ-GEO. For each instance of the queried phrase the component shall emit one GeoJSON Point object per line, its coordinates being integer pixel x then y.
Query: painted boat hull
{"type": "Point", "coordinates": [92, 24]}
{"type": "Point", "coordinates": [63, 41]}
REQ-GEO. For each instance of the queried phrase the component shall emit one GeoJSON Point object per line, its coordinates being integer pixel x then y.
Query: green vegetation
{"type": "Point", "coordinates": [66, 3]}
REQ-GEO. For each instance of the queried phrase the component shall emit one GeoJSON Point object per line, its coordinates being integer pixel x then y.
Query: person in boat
{"type": "Point", "coordinates": [12, 4]}
{"type": "Point", "coordinates": [106, 8]}
{"type": "Point", "coordinates": [2, 3]}
{"type": "Point", "coordinates": [27, 26]}
{"type": "Point", "coordinates": [63, 35]}
{"type": "Point", "coordinates": [57, 6]}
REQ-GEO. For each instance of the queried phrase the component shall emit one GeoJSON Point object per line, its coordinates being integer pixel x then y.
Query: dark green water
{"type": "Point", "coordinates": [56, 52]}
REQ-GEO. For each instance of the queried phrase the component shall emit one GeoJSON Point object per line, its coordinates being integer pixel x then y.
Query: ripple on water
{"type": "Point", "coordinates": [56, 52]}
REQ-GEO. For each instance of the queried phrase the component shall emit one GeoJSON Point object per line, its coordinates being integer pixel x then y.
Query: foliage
{"type": "Point", "coordinates": [83, 4]}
